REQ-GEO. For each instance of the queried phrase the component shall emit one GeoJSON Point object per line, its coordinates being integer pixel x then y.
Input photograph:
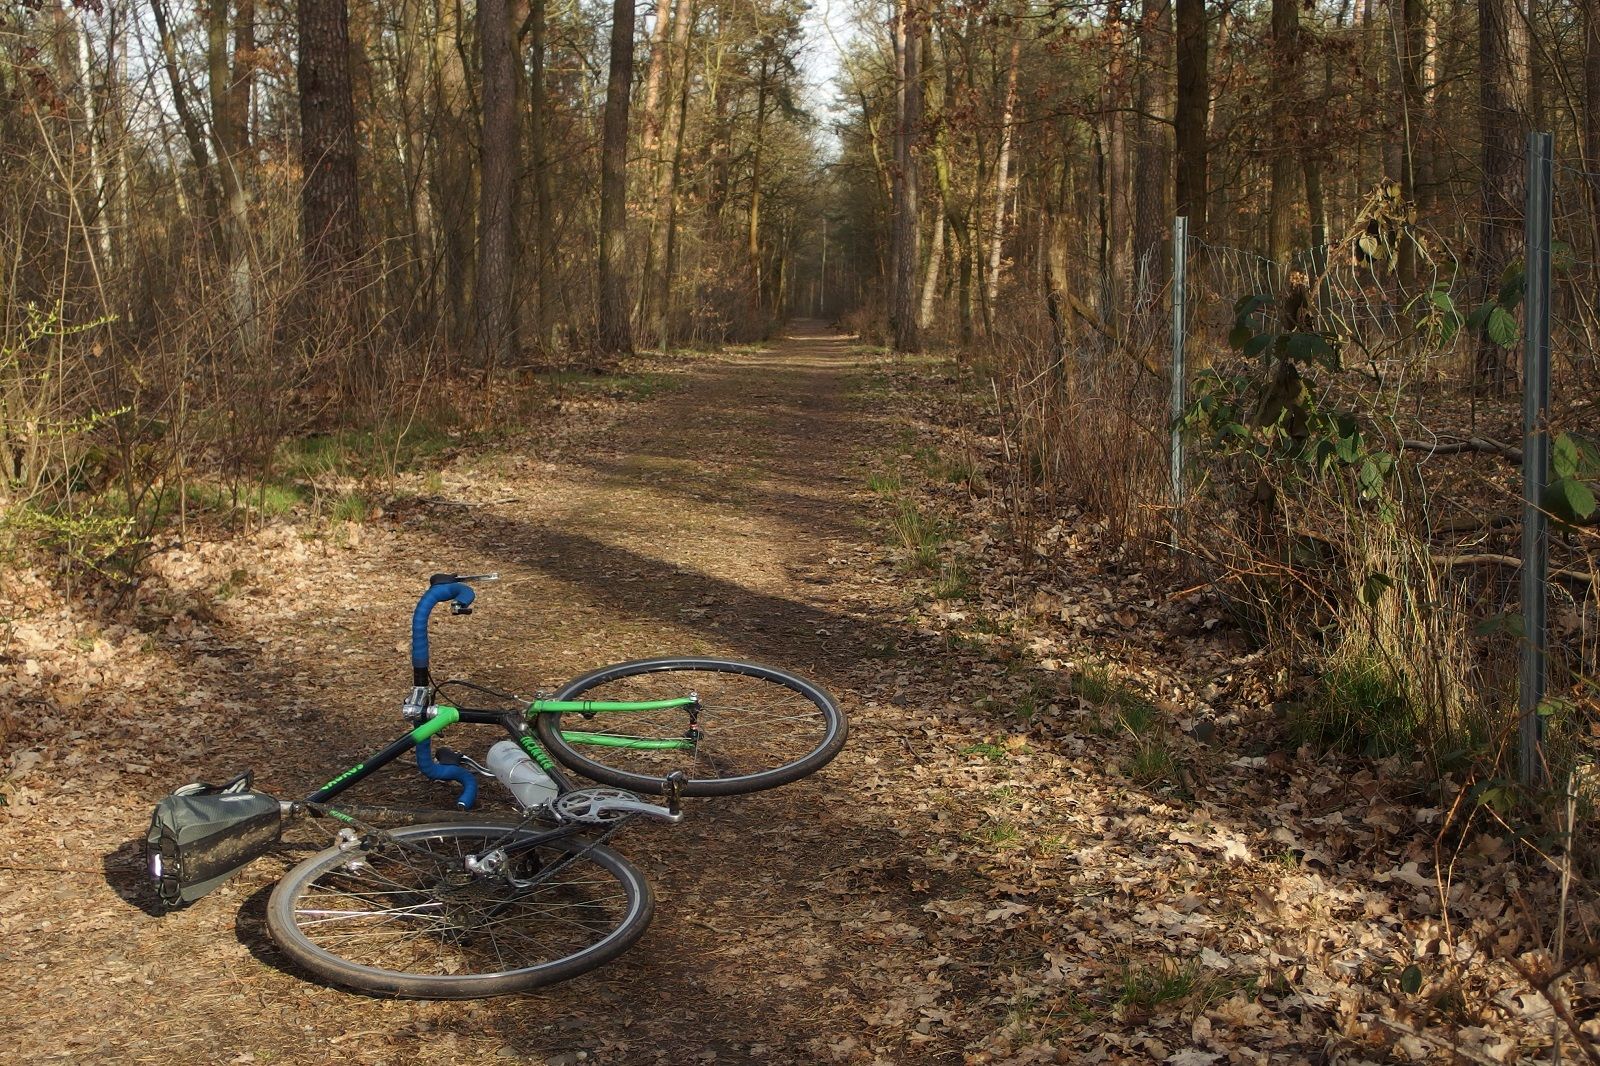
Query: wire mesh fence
{"type": "Point", "coordinates": [1429, 339]}
{"type": "Point", "coordinates": [1347, 465]}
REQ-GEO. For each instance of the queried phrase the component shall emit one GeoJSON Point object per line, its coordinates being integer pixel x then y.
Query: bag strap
{"type": "Point", "coordinates": [238, 783]}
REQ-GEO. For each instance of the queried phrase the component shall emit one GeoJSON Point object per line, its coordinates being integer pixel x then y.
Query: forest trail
{"type": "Point", "coordinates": [716, 517]}
{"type": "Point", "coordinates": [989, 872]}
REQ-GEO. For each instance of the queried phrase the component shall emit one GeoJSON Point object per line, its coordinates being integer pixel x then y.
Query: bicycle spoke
{"type": "Point", "coordinates": [747, 725]}
{"type": "Point", "coordinates": [392, 912]}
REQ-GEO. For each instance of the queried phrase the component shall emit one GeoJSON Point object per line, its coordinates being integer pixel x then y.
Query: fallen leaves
{"type": "Point", "coordinates": [976, 879]}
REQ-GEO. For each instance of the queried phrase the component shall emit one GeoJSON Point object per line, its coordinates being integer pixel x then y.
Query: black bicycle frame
{"type": "Point", "coordinates": [511, 721]}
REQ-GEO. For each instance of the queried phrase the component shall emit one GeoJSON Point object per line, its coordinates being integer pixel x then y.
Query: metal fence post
{"type": "Point", "coordinates": [1535, 457]}
{"type": "Point", "coordinates": [1180, 329]}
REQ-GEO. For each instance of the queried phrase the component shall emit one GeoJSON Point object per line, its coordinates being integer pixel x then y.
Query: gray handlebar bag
{"type": "Point", "coordinates": [201, 835]}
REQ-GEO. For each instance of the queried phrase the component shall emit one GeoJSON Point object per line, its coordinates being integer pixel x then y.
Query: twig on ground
{"type": "Point", "coordinates": [1490, 559]}
{"type": "Point", "coordinates": [1471, 444]}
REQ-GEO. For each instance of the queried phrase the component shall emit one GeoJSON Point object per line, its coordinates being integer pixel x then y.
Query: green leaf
{"type": "Point", "coordinates": [1257, 344]}
{"type": "Point", "coordinates": [1373, 587]}
{"type": "Point", "coordinates": [1324, 454]}
{"type": "Point", "coordinates": [1588, 449]}
{"type": "Point", "coordinates": [1562, 257]}
{"type": "Point", "coordinates": [1498, 799]}
{"type": "Point", "coordinates": [1564, 456]}
{"type": "Point", "coordinates": [1369, 478]}
{"type": "Point", "coordinates": [1509, 623]}
{"type": "Point", "coordinates": [1480, 315]}
{"type": "Point", "coordinates": [1249, 304]}
{"type": "Point", "coordinates": [1570, 499]}
{"type": "Point", "coordinates": [1511, 288]}
{"type": "Point", "coordinates": [1441, 299]}
{"type": "Point", "coordinates": [1554, 707]}
{"type": "Point", "coordinates": [1306, 346]}
{"type": "Point", "coordinates": [1501, 328]}
{"type": "Point", "coordinates": [1239, 335]}
{"type": "Point", "coordinates": [1411, 980]}
{"type": "Point", "coordinates": [1349, 448]}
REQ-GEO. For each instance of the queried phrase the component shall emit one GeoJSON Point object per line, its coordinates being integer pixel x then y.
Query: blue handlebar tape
{"type": "Point", "coordinates": [455, 590]}
{"type": "Point", "coordinates": [435, 771]}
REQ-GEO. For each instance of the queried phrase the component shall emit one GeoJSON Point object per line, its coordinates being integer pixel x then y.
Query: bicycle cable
{"type": "Point", "coordinates": [485, 689]}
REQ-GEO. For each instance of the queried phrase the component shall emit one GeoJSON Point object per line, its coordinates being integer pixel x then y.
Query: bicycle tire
{"type": "Point", "coordinates": [598, 898]}
{"type": "Point", "coordinates": [717, 767]}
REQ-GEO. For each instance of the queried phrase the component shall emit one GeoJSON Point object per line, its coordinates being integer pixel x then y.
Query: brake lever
{"type": "Point", "coordinates": [447, 579]}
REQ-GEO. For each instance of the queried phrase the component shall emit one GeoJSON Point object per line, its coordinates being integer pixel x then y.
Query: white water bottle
{"type": "Point", "coordinates": [511, 765]}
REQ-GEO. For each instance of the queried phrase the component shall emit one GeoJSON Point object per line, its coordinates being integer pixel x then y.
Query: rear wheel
{"type": "Point", "coordinates": [405, 917]}
{"type": "Point", "coordinates": [753, 728]}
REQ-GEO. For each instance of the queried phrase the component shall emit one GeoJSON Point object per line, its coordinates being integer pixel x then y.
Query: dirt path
{"type": "Point", "coordinates": [1018, 858]}
{"type": "Point", "coordinates": [716, 518]}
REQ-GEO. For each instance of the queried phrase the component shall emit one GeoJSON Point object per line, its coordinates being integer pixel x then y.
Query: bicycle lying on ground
{"type": "Point", "coordinates": [463, 906]}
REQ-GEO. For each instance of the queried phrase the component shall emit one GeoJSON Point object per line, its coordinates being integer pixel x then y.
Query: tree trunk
{"type": "Point", "coordinates": [1002, 178]}
{"type": "Point", "coordinates": [1153, 156]}
{"type": "Point", "coordinates": [1591, 120]}
{"type": "Point", "coordinates": [753, 231]}
{"type": "Point", "coordinates": [958, 213]}
{"type": "Point", "coordinates": [497, 157]}
{"type": "Point", "coordinates": [930, 277]}
{"type": "Point", "coordinates": [907, 229]}
{"type": "Point", "coordinates": [1057, 299]}
{"type": "Point", "coordinates": [413, 92]}
{"type": "Point", "coordinates": [614, 335]}
{"type": "Point", "coordinates": [1311, 167]}
{"type": "Point", "coordinates": [1416, 172]}
{"type": "Point", "coordinates": [653, 112]}
{"type": "Point", "coordinates": [329, 207]}
{"type": "Point", "coordinates": [1194, 100]}
{"type": "Point", "coordinates": [1503, 109]}
{"type": "Point", "coordinates": [656, 285]}
{"type": "Point", "coordinates": [192, 132]}
{"type": "Point", "coordinates": [669, 252]}
{"type": "Point", "coordinates": [660, 104]}
{"type": "Point", "coordinates": [544, 210]}
{"type": "Point", "coordinates": [1119, 186]}
{"type": "Point", "coordinates": [1418, 176]}
{"type": "Point", "coordinates": [452, 169]}
{"type": "Point", "coordinates": [244, 78]}
{"type": "Point", "coordinates": [1285, 114]}
{"type": "Point", "coordinates": [92, 215]}
{"type": "Point", "coordinates": [235, 205]}
{"type": "Point", "coordinates": [1104, 294]}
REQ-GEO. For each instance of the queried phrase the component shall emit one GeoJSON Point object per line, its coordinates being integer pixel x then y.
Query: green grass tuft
{"type": "Point", "coordinates": [1358, 706]}
{"type": "Point", "coordinates": [953, 583]}
{"type": "Point", "coordinates": [351, 508]}
{"type": "Point", "coordinates": [1146, 987]}
{"type": "Point", "coordinates": [884, 484]}
{"type": "Point", "coordinates": [1130, 711]}
{"type": "Point", "coordinates": [919, 533]}
{"type": "Point", "coordinates": [992, 752]}
{"type": "Point", "coordinates": [1152, 765]}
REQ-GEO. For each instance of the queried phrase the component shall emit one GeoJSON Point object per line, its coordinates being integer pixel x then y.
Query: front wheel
{"type": "Point", "coordinates": [403, 915]}
{"type": "Point", "coordinates": [753, 727]}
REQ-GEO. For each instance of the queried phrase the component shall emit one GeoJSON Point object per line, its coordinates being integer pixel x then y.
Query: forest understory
{"type": "Point", "coordinates": [1068, 826]}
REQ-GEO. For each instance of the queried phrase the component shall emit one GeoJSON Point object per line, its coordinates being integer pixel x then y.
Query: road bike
{"type": "Point", "coordinates": [456, 905]}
